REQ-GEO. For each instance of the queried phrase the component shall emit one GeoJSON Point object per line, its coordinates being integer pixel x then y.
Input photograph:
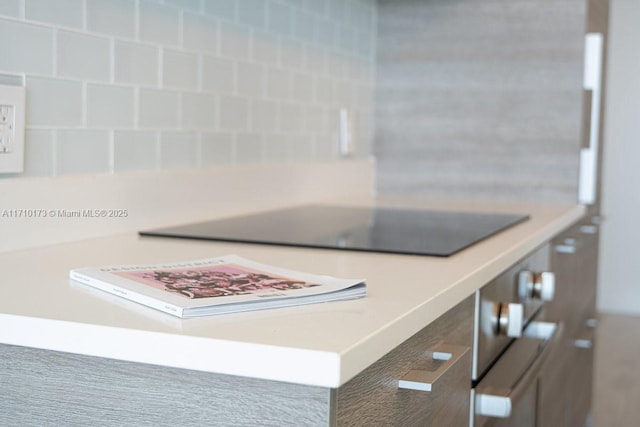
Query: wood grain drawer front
{"type": "Point", "coordinates": [574, 260]}
{"type": "Point", "coordinates": [373, 398]}
{"type": "Point", "coordinates": [43, 388]}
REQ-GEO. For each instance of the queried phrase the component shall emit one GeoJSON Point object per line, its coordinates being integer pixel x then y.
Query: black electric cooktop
{"type": "Point", "coordinates": [401, 231]}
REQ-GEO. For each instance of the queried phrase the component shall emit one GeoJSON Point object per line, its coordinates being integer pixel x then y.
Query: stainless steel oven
{"type": "Point", "coordinates": [512, 342]}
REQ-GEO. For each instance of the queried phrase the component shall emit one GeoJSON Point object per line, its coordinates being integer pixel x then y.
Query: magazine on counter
{"type": "Point", "coordinates": [220, 285]}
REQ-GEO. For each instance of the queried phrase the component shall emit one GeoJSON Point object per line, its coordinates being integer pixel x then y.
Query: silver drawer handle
{"type": "Point", "coordinates": [589, 229]}
{"type": "Point", "coordinates": [583, 343]}
{"type": "Point", "coordinates": [568, 246]}
{"type": "Point", "coordinates": [423, 380]}
{"type": "Point", "coordinates": [565, 249]}
{"type": "Point", "coordinates": [586, 340]}
{"type": "Point", "coordinates": [498, 403]}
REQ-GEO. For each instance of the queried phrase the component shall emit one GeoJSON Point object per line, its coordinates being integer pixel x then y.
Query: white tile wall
{"type": "Point", "coordinates": [200, 33]}
{"type": "Point", "coordinates": [253, 13]}
{"type": "Point", "coordinates": [290, 119]}
{"type": "Point", "coordinates": [280, 18]}
{"type": "Point", "coordinates": [110, 106]}
{"type": "Point", "coordinates": [300, 149]}
{"type": "Point", "coordinates": [249, 148]}
{"type": "Point", "coordinates": [265, 48]}
{"type": "Point", "coordinates": [225, 9]}
{"type": "Point", "coordinates": [82, 151]}
{"type": "Point", "coordinates": [218, 75]}
{"type": "Point", "coordinates": [158, 109]}
{"type": "Point", "coordinates": [10, 7]}
{"type": "Point", "coordinates": [83, 56]}
{"type": "Point", "coordinates": [193, 5]}
{"type": "Point", "coordinates": [234, 113]}
{"type": "Point", "coordinates": [234, 41]}
{"type": "Point", "coordinates": [250, 79]}
{"type": "Point", "coordinates": [33, 53]}
{"type": "Point", "coordinates": [125, 85]}
{"type": "Point", "coordinates": [178, 150]}
{"type": "Point", "coordinates": [66, 13]}
{"type": "Point", "coordinates": [278, 83]}
{"type": "Point", "coordinates": [113, 17]}
{"type": "Point", "coordinates": [179, 70]}
{"type": "Point", "coordinates": [216, 148]}
{"type": "Point", "coordinates": [135, 150]}
{"type": "Point", "coordinates": [39, 154]}
{"type": "Point", "coordinates": [199, 111]}
{"type": "Point", "coordinates": [53, 102]}
{"type": "Point", "coordinates": [279, 148]}
{"type": "Point", "coordinates": [159, 23]}
{"type": "Point", "coordinates": [264, 115]}
{"type": "Point", "coordinates": [136, 63]}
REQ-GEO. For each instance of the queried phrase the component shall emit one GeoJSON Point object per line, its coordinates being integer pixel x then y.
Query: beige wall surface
{"type": "Point", "coordinates": [619, 287]}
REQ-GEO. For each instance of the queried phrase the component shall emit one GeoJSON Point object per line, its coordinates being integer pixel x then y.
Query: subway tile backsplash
{"type": "Point", "coordinates": [125, 85]}
{"type": "Point", "coordinates": [82, 151]}
{"type": "Point", "coordinates": [83, 56]}
{"type": "Point", "coordinates": [54, 102]}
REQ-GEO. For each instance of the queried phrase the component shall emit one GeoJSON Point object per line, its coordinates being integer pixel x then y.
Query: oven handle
{"type": "Point", "coordinates": [423, 380]}
{"type": "Point", "coordinates": [498, 403]}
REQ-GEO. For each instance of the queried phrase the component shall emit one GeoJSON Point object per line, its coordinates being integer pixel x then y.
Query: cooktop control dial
{"type": "Point", "coordinates": [536, 285]}
{"type": "Point", "coordinates": [508, 319]}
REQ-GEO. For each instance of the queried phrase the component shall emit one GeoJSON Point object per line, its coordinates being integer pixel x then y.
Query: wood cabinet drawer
{"type": "Point", "coordinates": [565, 384]}
{"type": "Point", "coordinates": [373, 398]}
{"type": "Point", "coordinates": [574, 260]}
{"type": "Point", "coordinates": [43, 388]}
{"type": "Point", "coordinates": [47, 388]}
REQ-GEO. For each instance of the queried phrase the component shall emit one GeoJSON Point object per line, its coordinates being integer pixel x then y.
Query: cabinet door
{"type": "Point", "coordinates": [580, 381]}
{"type": "Point", "coordinates": [565, 384]}
{"type": "Point", "coordinates": [374, 398]}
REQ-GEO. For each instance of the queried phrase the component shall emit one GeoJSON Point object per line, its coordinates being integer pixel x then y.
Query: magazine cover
{"type": "Point", "coordinates": [218, 285]}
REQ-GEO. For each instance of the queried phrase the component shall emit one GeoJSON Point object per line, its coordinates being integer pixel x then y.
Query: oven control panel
{"type": "Point", "coordinates": [506, 305]}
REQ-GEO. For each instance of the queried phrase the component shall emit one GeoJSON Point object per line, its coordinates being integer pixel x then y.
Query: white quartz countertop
{"type": "Point", "coordinates": [323, 344]}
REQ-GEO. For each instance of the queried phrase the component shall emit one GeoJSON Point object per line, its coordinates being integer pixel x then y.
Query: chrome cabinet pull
{"type": "Point", "coordinates": [589, 229]}
{"type": "Point", "coordinates": [583, 343]}
{"type": "Point", "coordinates": [424, 380]}
{"type": "Point", "coordinates": [586, 341]}
{"type": "Point", "coordinates": [568, 246]}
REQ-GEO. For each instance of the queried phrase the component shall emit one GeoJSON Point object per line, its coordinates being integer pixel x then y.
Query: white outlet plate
{"type": "Point", "coordinates": [12, 114]}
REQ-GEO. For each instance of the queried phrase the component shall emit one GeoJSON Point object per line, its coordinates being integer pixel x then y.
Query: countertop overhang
{"type": "Point", "coordinates": [320, 345]}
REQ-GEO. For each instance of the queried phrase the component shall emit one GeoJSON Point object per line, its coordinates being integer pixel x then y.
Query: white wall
{"type": "Point", "coordinates": [121, 85]}
{"type": "Point", "coordinates": [619, 281]}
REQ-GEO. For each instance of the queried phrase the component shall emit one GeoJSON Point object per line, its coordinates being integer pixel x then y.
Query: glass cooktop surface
{"type": "Point", "coordinates": [387, 230]}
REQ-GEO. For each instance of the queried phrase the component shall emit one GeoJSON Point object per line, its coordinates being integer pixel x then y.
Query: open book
{"type": "Point", "coordinates": [218, 285]}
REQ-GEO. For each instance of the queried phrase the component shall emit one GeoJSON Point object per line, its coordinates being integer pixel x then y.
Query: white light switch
{"type": "Point", "coordinates": [12, 103]}
{"type": "Point", "coordinates": [345, 135]}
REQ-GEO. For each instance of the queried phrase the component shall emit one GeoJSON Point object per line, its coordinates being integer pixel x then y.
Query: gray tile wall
{"type": "Point", "coordinates": [479, 99]}
{"type": "Point", "coordinates": [121, 85]}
